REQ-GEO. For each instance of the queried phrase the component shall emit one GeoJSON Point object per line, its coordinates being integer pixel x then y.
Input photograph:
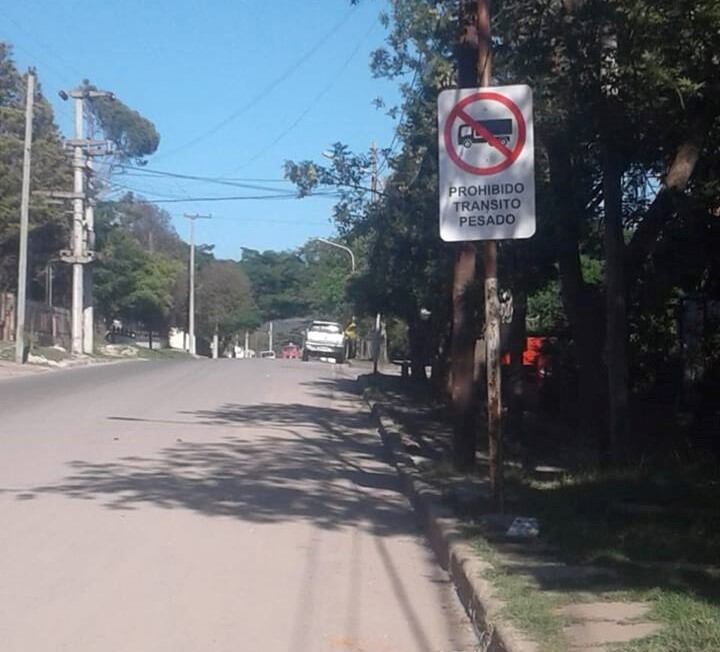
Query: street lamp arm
{"type": "Point", "coordinates": [344, 248]}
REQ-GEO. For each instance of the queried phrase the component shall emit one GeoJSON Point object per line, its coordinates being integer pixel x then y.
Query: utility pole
{"type": "Point", "coordinates": [191, 298]}
{"type": "Point", "coordinates": [24, 211]}
{"type": "Point", "coordinates": [76, 321]}
{"type": "Point", "coordinates": [378, 317]}
{"type": "Point", "coordinates": [462, 344]}
{"type": "Point", "coordinates": [89, 246]}
{"type": "Point", "coordinates": [492, 301]}
{"type": "Point", "coordinates": [80, 253]}
{"type": "Point", "coordinates": [270, 336]}
{"type": "Point", "coordinates": [474, 69]}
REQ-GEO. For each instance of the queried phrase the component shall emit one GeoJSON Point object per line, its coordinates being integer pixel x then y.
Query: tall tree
{"type": "Point", "coordinates": [225, 305]}
{"type": "Point", "coordinates": [134, 136]}
{"type": "Point", "coordinates": [50, 171]}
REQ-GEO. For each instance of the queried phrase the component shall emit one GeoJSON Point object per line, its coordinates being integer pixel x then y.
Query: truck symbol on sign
{"type": "Point", "coordinates": [501, 128]}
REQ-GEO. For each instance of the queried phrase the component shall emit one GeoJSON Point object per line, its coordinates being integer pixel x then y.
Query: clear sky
{"type": "Point", "coordinates": [235, 87]}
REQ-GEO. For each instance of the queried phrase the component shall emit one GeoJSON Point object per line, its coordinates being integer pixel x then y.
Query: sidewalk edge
{"type": "Point", "coordinates": [453, 551]}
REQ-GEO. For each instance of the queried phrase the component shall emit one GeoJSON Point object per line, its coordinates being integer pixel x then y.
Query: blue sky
{"type": "Point", "coordinates": [235, 87]}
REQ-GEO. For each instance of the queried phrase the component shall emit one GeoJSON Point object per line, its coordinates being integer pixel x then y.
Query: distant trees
{"type": "Point", "coordinates": [307, 282]}
{"type": "Point", "coordinates": [277, 279]}
{"type": "Point", "coordinates": [140, 263]}
{"type": "Point", "coordinates": [225, 305]}
{"type": "Point", "coordinates": [141, 272]}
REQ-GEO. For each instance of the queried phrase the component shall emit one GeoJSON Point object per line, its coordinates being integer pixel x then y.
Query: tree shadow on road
{"type": "Point", "coordinates": [261, 463]}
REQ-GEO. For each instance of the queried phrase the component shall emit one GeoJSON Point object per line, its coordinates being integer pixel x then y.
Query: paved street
{"type": "Point", "coordinates": [196, 506]}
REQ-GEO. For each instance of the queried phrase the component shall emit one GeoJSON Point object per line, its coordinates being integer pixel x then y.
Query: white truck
{"type": "Point", "coordinates": [324, 339]}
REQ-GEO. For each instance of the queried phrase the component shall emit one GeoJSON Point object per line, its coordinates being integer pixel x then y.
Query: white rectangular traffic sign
{"type": "Point", "coordinates": [486, 163]}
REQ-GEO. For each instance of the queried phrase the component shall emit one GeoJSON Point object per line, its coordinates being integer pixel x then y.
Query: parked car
{"type": "Point", "coordinates": [324, 339]}
{"type": "Point", "coordinates": [270, 355]}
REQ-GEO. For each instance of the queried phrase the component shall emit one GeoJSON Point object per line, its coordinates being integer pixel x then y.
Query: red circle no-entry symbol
{"type": "Point", "coordinates": [493, 133]}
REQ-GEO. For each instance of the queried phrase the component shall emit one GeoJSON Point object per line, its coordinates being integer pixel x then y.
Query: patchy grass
{"type": "Point", "coordinates": [663, 516]}
{"type": "Point", "coordinates": [657, 528]}
{"type": "Point", "coordinates": [660, 530]}
{"type": "Point", "coordinates": [690, 625]}
{"type": "Point", "coordinates": [533, 612]}
{"type": "Point", "coordinates": [7, 350]}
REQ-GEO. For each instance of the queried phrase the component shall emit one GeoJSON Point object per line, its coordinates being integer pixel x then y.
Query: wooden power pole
{"type": "Point", "coordinates": [492, 302]}
{"type": "Point", "coordinates": [475, 69]}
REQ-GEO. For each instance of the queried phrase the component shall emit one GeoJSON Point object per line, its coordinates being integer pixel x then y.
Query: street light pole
{"type": "Point", "coordinates": [343, 247]}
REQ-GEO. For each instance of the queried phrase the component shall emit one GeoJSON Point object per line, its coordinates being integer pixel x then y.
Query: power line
{"type": "Point", "coordinates": [228, 181]}
{"type": "Point", "coordinates": [256, 220]}
{"type": "Point", "coordinates": [166, 199]}
{"type": "Point", "coordinates": [396, 135]}
{"type": "Point", "coordinates": [315, 99]}
{"type": "Point", "coordinates": [50, 51]}
{"type": "Point", "coordinates": [143, 171]}
{"type": "Point", "coordinates": [118, 187]}
{"type": "Point", "coordinates": [192, 177]}
{"type": "Point", "coordinates": [236, 198]}
{"type": "Point", "coordinates": [264, 91]}
{"type": "Point", "coordinates": [58, 76]}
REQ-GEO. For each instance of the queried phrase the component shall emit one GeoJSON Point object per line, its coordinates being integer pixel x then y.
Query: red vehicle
{"type": "Point", "coordinates": [535, 359]}
{"type": "Point", "coordinates": [290, 352]}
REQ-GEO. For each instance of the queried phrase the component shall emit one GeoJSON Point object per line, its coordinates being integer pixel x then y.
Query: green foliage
{"type": "Point", "coordinates": [135, 137]}
{"type": "Point", "coordinates": [141, 264]}
{"type": "Point", "coordinates": [277, 280]}
{"type": "Point", "coordinates": [545, 313]}
{"type": "Point", "coordinates": [133, 284]}
{"type": "Point", "coordinates": [50, 170]}
{"type": "Point", "coordinates": [310, 282]}
{"type": "Point", "coordinates": [149, 225]}
{"type": "Point", "coordinates": [224, 300]}
{"type": "Point", "coordinates": [326, 274]}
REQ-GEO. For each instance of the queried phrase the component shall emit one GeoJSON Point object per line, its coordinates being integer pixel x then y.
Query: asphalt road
{"type": "Point", "coordinates": [197, 506]}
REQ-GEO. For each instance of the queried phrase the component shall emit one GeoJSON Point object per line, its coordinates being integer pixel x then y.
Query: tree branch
{"type": "Point", "coordinates": [664, 205]}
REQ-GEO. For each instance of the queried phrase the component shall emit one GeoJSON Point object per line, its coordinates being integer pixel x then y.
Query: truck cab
{"type": "Point", "coordinates": [324, 339]}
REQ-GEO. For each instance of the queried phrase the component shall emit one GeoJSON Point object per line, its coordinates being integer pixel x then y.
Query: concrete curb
{"type": "Point", "coordinates": [74, 363]}
{"type": "Point", "coordinates": [453, 551]}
